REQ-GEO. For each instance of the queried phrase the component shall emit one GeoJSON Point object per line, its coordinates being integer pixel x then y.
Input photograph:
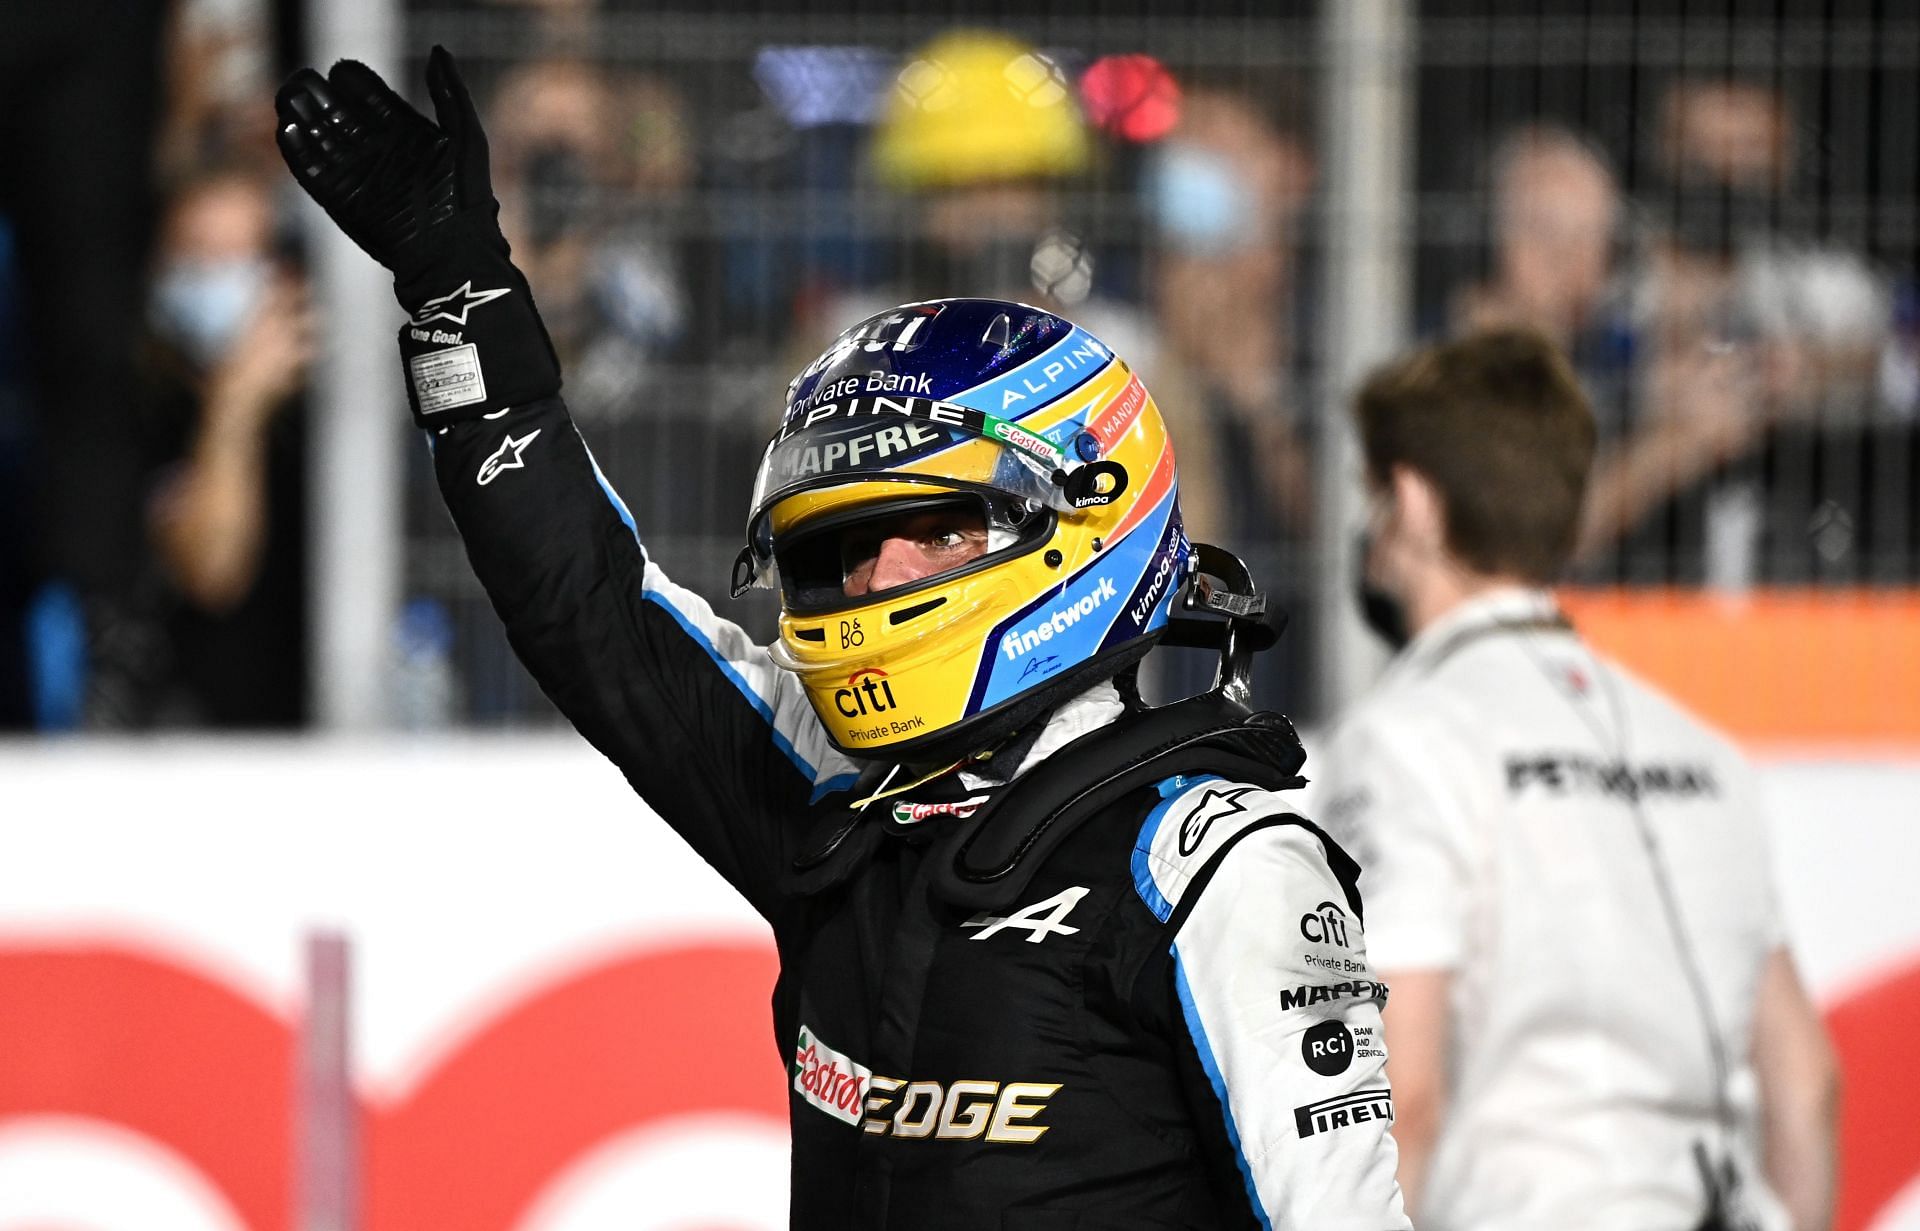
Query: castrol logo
{"type": "Point", "coordinates": [833, 1082]}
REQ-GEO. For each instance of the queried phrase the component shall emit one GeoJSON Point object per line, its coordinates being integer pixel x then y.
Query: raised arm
{"type": "Point", "coordinates": [721, 744]}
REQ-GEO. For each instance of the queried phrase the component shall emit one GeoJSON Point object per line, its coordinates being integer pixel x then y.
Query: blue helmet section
{"type": "Point", "coordinates": [979, 353]}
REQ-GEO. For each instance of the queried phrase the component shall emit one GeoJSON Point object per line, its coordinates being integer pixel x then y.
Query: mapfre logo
{"type": "Point", "coordinates": [834, 1083]}
{"type": "Point", "coordinates": [867, 692]}
{"type": "Point", "coordinates": [1325, 924]}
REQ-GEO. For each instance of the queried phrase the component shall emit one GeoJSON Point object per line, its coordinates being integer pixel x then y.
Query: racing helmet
{"type": "Point", "coordinates": [1020, 419]}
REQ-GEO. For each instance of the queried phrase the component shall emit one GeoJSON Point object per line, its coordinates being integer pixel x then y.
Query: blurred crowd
{"type": "Point", "coordinates": [696, 228]}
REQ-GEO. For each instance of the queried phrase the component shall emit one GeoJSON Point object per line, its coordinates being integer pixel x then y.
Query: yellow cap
{"type": "Point", "coordinates": [973, 107]}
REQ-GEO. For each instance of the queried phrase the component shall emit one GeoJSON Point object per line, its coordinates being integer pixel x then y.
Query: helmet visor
{"type": "Point", "coordinates": [1013, 470]}
{"type": "Point", "coordinates": [891, 548]}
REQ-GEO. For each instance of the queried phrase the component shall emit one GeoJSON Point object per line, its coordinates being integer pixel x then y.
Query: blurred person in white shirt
{"type": "Point", "coordinates": [1594, 1020]}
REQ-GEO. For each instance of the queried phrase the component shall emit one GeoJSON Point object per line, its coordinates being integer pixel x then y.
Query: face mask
{"type": "Point", "coordinates": [1385, 614]}
{"type": "Point", "coordinates": [557, 193]}
{"type": "Point", "coordinates": [1198, 201]}
{"type": "Point", "coordinates": [203, 305]}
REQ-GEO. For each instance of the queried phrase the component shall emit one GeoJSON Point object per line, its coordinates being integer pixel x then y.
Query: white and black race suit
{"type": "Point", "coordinates": [1589, 862]}
{"type": "Point", "coordinates": [1174, 1024]}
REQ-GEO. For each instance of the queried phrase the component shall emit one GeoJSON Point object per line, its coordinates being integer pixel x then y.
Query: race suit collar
{"type": "Point", "coordinates": [1517, 606]}
{"type": "Point", "coordinates": [1096, 707]}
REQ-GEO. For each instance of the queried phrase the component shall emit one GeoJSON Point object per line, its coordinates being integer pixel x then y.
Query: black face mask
{"type": "Point", "coordinates": [1383, 613]}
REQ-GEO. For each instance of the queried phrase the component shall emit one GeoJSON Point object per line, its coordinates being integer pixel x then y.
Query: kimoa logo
{"type": "Point", "coordinates": [1018, 642]}
{"type": "Point", "coordinates": [1144, 608]}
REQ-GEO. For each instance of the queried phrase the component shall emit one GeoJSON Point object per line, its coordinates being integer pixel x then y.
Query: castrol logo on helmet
{"type": "Point", "coordinates": [833, 1082]}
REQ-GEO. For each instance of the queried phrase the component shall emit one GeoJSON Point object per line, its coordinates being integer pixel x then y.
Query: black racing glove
{"type": "Point", "coordinates": [417, 198]}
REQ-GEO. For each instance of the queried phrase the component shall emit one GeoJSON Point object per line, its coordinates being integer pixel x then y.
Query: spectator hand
{"type": "Point", "coordinates": [415, 194]}
{"type": "Point", "coordinates": [266, 363]}
{"type": "Point", "coordinates": [1711, 401]}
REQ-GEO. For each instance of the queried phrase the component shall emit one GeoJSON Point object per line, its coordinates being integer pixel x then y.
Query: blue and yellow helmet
{"type": "Point", "coordinates": [998, 406]}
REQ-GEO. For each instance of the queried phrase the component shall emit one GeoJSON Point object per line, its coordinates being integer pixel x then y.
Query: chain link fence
{"type": "Point", "coordinates": [1712, 206]}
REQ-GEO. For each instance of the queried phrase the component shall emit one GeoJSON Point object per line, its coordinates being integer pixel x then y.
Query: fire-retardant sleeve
{"type": "Point", "coordinates": [721, 743]}
{"type": "Point", "coordinates": [1277, 1012]}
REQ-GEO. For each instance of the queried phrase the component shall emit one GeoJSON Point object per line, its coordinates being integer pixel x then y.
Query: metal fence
{"type": "Point", "coordinates": [1712, 207]}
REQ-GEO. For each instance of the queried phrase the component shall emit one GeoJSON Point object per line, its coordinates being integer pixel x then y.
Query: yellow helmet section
{"type": "Point", "coordinates": [889, 675]}
{"type": "Point", "coordinates": [974, 107]}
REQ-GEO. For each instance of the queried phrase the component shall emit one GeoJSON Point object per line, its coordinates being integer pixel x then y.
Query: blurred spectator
{"type": "Point", "coordinates": [219, 87]}
{"type": "Point", "coordinates": [79, 86]}
{"type": "Point", "coordinates": [982, 133]}
{"type": "Point", "coordinates": [1555, 214]}
{"type": "Point", "coordinates": [16, 514]}
{"type": "Point", "coordinates": [230, 341]}
{"type": "Point", "coordinates": [1225, 193]}
{"type": "Point", "coordinates": [1751, 340]}
{"type": "Point", "coordinates": [586, 165]}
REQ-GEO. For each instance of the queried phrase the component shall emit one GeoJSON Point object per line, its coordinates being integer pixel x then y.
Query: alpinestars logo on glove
{"type": "Point", "coordinates": [454, 305]}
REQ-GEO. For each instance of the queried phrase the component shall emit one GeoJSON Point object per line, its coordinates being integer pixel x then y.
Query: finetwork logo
{"type": "Point", "coordinates": [1018, 642]}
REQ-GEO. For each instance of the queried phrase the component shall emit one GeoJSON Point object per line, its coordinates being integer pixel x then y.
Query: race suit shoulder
{"type": "Point", "coordinates": [715, 738]}
{"type": "Point", "coordinates": [1277, 1002]}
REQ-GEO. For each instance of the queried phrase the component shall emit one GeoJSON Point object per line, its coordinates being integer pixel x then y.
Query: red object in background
{"type": "Point", "coordinates": [1873, 1030]}
{"type": "Point", "coordinates": [142, 1042]}
{"type": "Point", "coordinates": [165, 1051]}
{"type": "Point", "coordinates": [1133, 97]}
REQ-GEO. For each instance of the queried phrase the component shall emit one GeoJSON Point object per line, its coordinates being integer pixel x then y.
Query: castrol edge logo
{"type": "Point", "coordinates": [834, 1083]}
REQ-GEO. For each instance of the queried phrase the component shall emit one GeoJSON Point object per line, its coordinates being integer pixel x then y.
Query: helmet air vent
{"type": "Point", "coordinates": [902, 615]}
{"type": "Point", "coordinates": [999, 334]}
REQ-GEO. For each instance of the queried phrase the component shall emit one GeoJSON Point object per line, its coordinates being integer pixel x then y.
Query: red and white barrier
{"type": "Point", "coordinates": [555, 1018]}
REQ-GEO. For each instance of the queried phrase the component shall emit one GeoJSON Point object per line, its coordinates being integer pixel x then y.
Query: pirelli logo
{"type": "Point", "coordinates": [1344, 1111]}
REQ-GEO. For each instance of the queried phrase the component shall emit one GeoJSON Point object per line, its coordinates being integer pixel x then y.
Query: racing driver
{"type": "Point", "coordinates": [1049, 958]}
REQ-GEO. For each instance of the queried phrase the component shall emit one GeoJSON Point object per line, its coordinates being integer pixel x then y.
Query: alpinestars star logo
{"type": "Point", "coordinates": [454, 305]}
{"type": "Point", "coordinates": [509, 456]}
{"type": "Point", "coordinates": [1212, 806]}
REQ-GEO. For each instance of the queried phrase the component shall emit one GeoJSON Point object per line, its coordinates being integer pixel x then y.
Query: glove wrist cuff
{"type": "Point", "coordinates": [473, 343]}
